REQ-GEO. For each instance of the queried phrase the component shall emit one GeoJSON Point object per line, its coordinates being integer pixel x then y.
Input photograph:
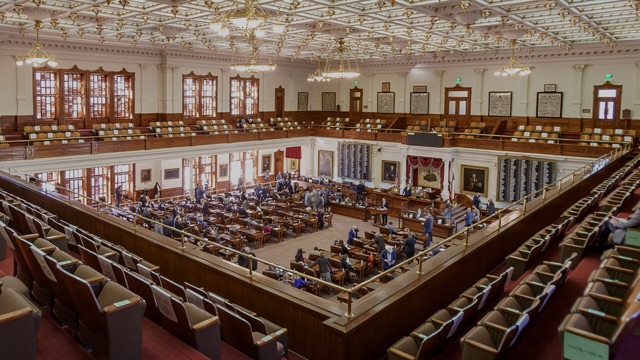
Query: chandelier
{"type": "Point", "coordinates": [318, 75]}
{"type": "Point", "coordinates": [253, 66]}
{"type": "Point", "coordinates": [344, 69]}
{"type": "Point", "coordinates": [37, 57]}
{"type": "Point", "coordinates": [513, 66]}
{"type": "Point", "coordinates": [249, 18]}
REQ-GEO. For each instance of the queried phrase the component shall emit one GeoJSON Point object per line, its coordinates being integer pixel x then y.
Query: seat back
{"type": "Point", "coordinates": [19, 320]}
{"type": "Point", "coordinates": [237, 332]}
{"type": "Point", "coordinates": [142, 286]}
{"type": "Point", "coordinates": [41, 289]}
{"type": "Point", "coordinates": [20, 267]}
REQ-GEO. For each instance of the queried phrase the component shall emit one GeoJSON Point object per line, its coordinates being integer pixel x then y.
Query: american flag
{"type": "Point", "coordinates": [452, 187]}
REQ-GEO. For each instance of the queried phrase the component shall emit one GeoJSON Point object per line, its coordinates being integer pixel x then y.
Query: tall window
{"type": "Point", "coordinates": [199, 96]}
{"type": "Point", "coordinates": [74, 181]}
{"type": "Point", "coordinates": [204, 170]}
{"type": "Point", "coordinates": [99, 183]}
{"type": "Point", "coordinates": [122, 176]}
{"type": "Point", "coordinates": [98, 96]}
{"type": "Point", "coordinates": [51, 179]}
{"type": "Point", "coordinates": [123, 96]}
{"type": "Point", "coordinates": [73, 95]}
{"type": "Point", "coordinates": [244, 96]}
{"type": "Point", "coordinates": [46, 94]}
{"type": "Point", "coordinates": [88, 96]}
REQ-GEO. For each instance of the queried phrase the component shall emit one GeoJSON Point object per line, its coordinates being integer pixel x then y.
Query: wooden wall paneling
{"type": "Point", "coordinates": [209, 139]}
{"type": "Point", "coordinates": [168, 142]}
{"type": "Point", "coordinates": [13, 153]}
{"type": "Point", "coordinates": [103, 147]}
{"type": "Point", "coordinates": [56, 150]}
{"type": "Point", "coordinates": [271, 135]}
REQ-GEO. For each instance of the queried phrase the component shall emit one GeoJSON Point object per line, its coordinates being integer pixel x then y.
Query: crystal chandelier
{"type": "Point", "coordinates": [37, 57]}
{"type": "Point", "coordinates": [344, 70]}
{"type": "Point", "coordinates": [250, 17]}
{"type": "Point", "coordinates": [253, 66]}
{"type": "Point", "coordinates": [318, 75]}
{"type": "Point", "coordinates": [513, 66]}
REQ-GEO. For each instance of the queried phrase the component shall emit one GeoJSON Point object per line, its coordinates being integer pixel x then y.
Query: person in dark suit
{"type": "Point", "coordinates": [407, 191]}
{"type": "Point", "coordinates": [118, 195]}
{"type": "Point", "coordinates": [468, 217]}
{"type": "Point", "coordinates": [384, 205]}
{"type": "Point", "coordinates": [476, 200]}
{"type": "Point", "coordinates": [618, 227]}
{"type": "Point", "coordinates": [360, 190]}
{"type": "Point", "coordinates": [427, 228]}
{"type": "Point", "coordinates": [410, 246]}
{"type": "Point", "coordinates": [491, 207]}
{"type": "Point", "coordinates": [388, 257]}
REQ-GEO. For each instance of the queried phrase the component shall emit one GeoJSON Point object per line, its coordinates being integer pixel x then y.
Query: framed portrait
{"type": "Point", "coordinates": [474, 180]}
{"type": "Point", "coordinates": [389, 171]}
{"type": "Point", "coordinates": [386, 86]}
{"type": "Point", "coordinates": [419, 103]}
{"type": "Point", "coordinates": [328, 101]}
{"type": "Point", "coordinates": [223, 172]}
{"type": "Point", "coordinates": [386, 102]}
{"type": "Point", "coordinates": [549, 87]}
{"type": "Point", "coordinates": [325, 163]}
{"type": "Point", "coordinates": [549, 105]}
{"type": "Point", "coordinates": [170, 174]}
{"type": "Point", "coordinates": [294, 164]}
{"type": "Point", "coordinates": [420, 89]}
{"type": "Point", "coordinates": [500, 103]}
{"type": "Point", "coordinates": [266, 163]}
{"type": "Point", "coordinates": [303, 101]}
{"type": "Point", "coordinates": [145, 175]}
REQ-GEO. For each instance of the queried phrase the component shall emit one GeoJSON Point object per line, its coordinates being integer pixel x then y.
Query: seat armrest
{"type": "Point", "coordinates": [15, 315]}
{"type": "Point", "coordinates": [206, 323]}
{"type": "Point", "coordinates": [495, 326]}
{"type": "Point", "coordinates": [48, 249]}
{"type": "Point", "coordinates": [619, 269]}
{"type": "Point", "coordinates": [588, 335]}
{"type": "Point", "coordinates": [266, 339]}
{"type": "Point", "coordinates": [401, 354]}
{"type": "Point", "coordinates": [605, 298]}
{"type": "Point", "coordinates": [121, 305]}
{"type": "Point", "coordinates": [480, 346]}
{"type": "Point", "coordinates": [525, 297]}
{"type": "Point", "coordinates": [30, 236]}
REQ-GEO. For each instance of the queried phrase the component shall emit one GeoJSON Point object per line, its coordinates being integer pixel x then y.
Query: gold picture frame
{"type": "Point", "coordinates": [223, 172]}
{"type": "Point", "coordinates": [386, 86]}
{"type": "Point", "coordinates": [294, 165]}
{"type": "Point", "coordinates": [474, 180]}
{"type": "Point", "coordinates": [266, 163]}
{"type": "Point", "coordinates": [325, 163]}
{"type": "Point", "coordinates": [390, 171]}
{"type": "Point", "coordinates": [145, 175]}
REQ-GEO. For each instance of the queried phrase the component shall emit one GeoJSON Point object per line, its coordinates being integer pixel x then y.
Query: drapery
{"type": "Point", "coordinates": [294, 152]}
{"type": "Point", "coordinates": [427, 172]}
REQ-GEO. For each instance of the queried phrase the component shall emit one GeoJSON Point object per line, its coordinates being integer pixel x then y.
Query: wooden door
{"type": "Point", "coordinates": [278, 165]}
{"type": "Point", "coordinates": [606, 106]}
{"type": "Point", "coordinates": [279, 105]}
{"type": "Point", "coordinates": [457, 105]}
{"type": "Point", "coordinates": [355, 104]}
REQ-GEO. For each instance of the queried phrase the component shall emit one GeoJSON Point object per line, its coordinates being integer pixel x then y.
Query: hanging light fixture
{"type": "Point", "coordinates": [318, 74]}
{"type": "Point", "coordinates": [253, 66]}
{"type": "Point", "coordinates": [344, 69]}
{"type": "Point", "coordinates": [513, 66]}
{"type": "Point", "coordinates": [249, 17]}
{"type": "Point", "coordinates": [37, 57]}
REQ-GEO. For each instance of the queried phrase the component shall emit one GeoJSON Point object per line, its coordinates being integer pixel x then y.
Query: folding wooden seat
{"type": "Point", "coordinates": [468, 307]}
{"type": "Point", "coordinates": [420, 347]}
{"type": "Point", "coordinates": [587, 304]}
{"type": "Point", "coordinates": [63, 310]}
{"type": "Point", "coordinates": [477, 292]}
{"type": "Point", "coordinates": [20, 267]}
{"type": "Point", "coordinates": [50, 234]}
{"type": "Point", "coordinates": [19, 322]}
{"type": "Point", "coordinates": [189, 323]}
{"type": "Point", "coordinates": [486, 342]}
{"type": "Point", "coordinates": [520, 305]}
{"type": "Point", "coordinates": [522, 258]}
{"type": "Point", "coordinates": [538, 291]}
{"type": "Point", "coordinates": [239, 334]}
{"type": "Point", "coordinates": [580, 326]}
{"type": "Point", "coordinates": [623, 254]}
{"type": "Point", "coordinates": [143, 287]}
{"type": "Point", "coordinates": [110, 315]}
{"type": "Point", "coordinates": [337, 273]}
{"type": "Point", "coordinates": [618, 283]}
{"type": "Point", "coordinates": [506, 319]}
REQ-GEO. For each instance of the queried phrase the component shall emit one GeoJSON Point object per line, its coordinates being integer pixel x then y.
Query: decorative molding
{"type": "Point", "coordinates": [579, 67]}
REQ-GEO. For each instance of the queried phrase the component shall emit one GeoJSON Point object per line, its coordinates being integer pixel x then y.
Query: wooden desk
{"type": "Point", "coordinates": [349, 210]}
{"type": "Point", "coordinates": [440, 230]}
{"type": "Point", "coordinates": [257, 236]}
{"type": "Point", "coordinates": [376, 214]}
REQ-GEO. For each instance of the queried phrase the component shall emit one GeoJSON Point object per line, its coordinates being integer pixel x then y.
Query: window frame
{"type": "Point", "coordinates": [617, 102]}
{"type": "Point", "coordinates": [248, 96]}
{"type": "Point", "coordinates": [200, 97]}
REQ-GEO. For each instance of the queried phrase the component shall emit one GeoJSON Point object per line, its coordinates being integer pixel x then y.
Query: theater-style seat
{"type": "Point", "coordinates": [110, 315]}
{"type": "Point", "coordinates": [466, 306]}
{"type": "Point", "coordinates": [19, 322]}
{"type": "Point", "coordinates": [263, 326]}
{"type": "Point", "coordinates": [579, 325]}
{"type": "Point", "coordinates": [143, 287]}
{"type": "Point", "coordinates": [419, 347]}
{"type": "Point", "coordinates": [532, 290]}
{"type": "Point", "coordinates": [520, 304]}
{"type": "Point", "coordinates": [20, 266]}
{"type": "Point", "coordinates": [189, 323]}
{"type": "Point", "coordinates": [64, 310]}
{"type": "Point", "coordinates": [239, 334]}
{"type": "Point", "coordinates": [486, 342]}
{"type": "Point", "coordinates": [506, 319]}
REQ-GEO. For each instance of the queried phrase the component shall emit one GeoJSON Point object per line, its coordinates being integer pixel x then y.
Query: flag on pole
{"type": "Point", "coordinates": [452, 191]}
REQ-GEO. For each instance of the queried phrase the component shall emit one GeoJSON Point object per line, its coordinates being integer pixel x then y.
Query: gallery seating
{"type": "Point", "coordinates": [19, 322]}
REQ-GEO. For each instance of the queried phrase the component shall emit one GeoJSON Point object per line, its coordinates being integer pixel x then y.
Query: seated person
{"type": "Point", "coordinates": [247, 262]}
{"type": "Point", "coordinates": [618, 227]}
{"type": "Point", "coordinates": [392, 230]}
{"type": "Point", "coordinates": [320, 216]}
{"type": "Point", "coordinates": [299, 258]}
{"type": "Point", "coordinates": [345, 263]}
{"type": "Point", "coordinates": [242, 212]}
{"type": "Point", "coordinates": [434, 252]}
{"type": "Point", "coordinates": [343, 248]}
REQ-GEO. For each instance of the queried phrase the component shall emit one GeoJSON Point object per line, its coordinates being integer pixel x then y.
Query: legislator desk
{"type": "Point", "coordinates": [397, 203]}
{"type": "Point", "coordinates": [417, 225]}
{"type": "Point", "coordinates": [358, 212]}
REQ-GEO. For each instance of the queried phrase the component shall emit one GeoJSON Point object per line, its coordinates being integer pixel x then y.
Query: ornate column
{"type": "Point", "coordinates": [162, 88]}
{"type": "Point", "coordinates": [23, 87]}
{"type": "Point", "coordinates": [141, 90]}
{"type": "Point", "coordinates": [368, 105]}
{"type": "Point", "coordinates": [445, 194]}
{"type": "Point", "coordinates": [401, 99]}
{"type": "Point", "coordinates": [636, 99]}
{"type": "Point", "coordinates": [576, 102]}
{"type": "Point", "coordinates": [476, 103]}
{"type": "Point", "coordinates": [437, 99]}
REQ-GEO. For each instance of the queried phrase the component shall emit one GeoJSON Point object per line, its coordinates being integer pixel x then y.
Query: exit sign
{"type": "Point", "coordinates": [608, 76]}
{"type": "Point", "coordinates": [458, 80]}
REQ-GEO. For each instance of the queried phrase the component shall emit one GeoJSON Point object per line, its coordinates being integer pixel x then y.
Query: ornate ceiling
{"type": "Point", "coordinates": [375, 31]}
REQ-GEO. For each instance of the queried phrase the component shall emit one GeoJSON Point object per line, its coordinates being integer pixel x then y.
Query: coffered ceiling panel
{"type": "Point", "coordinates": [375, 31]}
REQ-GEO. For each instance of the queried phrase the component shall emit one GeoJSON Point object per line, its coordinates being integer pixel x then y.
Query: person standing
{"type": "Point", "coordinates": [388, 257]}
{"type": "Point", "coordinates": [118, 195]}
{"type": "Point", "coordinates": [353, 234]}
{"type": "Point", "coordinates": [410, 246]}
{"type": "Point", "coordinates": [427, 228]}
{"type": "Point", "coordinates": [156, 191]}
{"type": "Point", "coordinates": [476, 200]}
{"type": "Point", "coordinates": [360, 190]}
{"type": "Point", "coordinates": [324, 266]}
{"type": "Point", "coordinates": [384, 205]}
{"type": "Point", "coordinates": [468, 217]}
{"type": "Point", "coordinates": [491, 208]}
{"type": "Point", "coordinates": [378, 242]}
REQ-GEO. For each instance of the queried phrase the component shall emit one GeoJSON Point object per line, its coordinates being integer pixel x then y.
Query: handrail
{"type": "Point", "coordinates": [520, 204]}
